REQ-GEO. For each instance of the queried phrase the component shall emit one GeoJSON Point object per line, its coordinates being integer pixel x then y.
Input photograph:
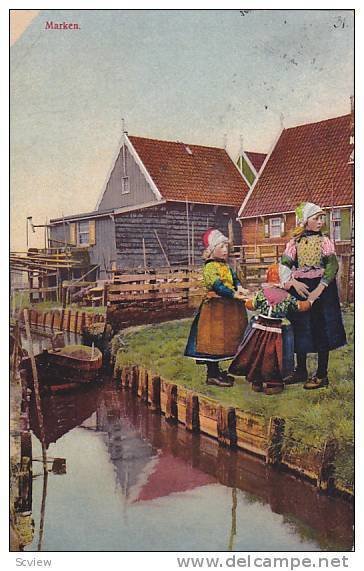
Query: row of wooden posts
{"type": "Point", "coordinates": [69, 320]}
{"type": "Point", "coordinates": [232, 427]}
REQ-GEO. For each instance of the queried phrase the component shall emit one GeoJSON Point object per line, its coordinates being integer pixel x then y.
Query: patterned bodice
{"type": "Point", "coordinates": [278, 310]}
{"type": "Point", "coordinates": [309, 251]}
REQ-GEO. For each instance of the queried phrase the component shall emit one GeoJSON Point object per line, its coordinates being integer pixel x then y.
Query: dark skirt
{"type": "Point", "coordinates": [217, 329]}
{"type": "Point", "coordinates": [265, 355]}
{"type": "Point", "coordinates": [321, 328]}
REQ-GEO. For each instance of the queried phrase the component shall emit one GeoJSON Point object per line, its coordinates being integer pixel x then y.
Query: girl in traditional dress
{"type": "Point", "coordinates": [311, 256]}
{"type": "Point", "coordinates": [221, 319]}
{"type": "Point", "coordinates": [265, 356]}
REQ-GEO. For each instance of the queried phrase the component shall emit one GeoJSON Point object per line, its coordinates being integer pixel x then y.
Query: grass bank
{"type": "Point", "coordinates": [311, 416]}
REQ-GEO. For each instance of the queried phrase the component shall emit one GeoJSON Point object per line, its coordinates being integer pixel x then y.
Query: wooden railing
{"type": "Point", "coordinates": [252, 261]}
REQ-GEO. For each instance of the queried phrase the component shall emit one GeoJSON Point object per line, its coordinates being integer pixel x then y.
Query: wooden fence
{"type": "Point", "coordinates": [69, 320]}
{"type": "Point", "coordinates": [165, 288]}
{"type": "Point", "coordinates": [154, 296]}
{"type": "Point", "coordinates": [233, 427]}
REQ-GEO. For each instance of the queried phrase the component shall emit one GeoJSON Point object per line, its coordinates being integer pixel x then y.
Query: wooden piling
{"type": "Point", "coordinates": [192, 412]}
{"type": "Point", "coordinates": [226, 426]}
{"type": "Point", "coordinates": [125, 376]}
{"type": "Point", "coordinates": [68, 320]}
{"type": "Point", "coordinates": [76, 322]}
{"type": "Point", "coordinates": [275, 440]}
{"type": "Point", "coordinates": [36, 388]}
{"type": "Point", "coordinates": [83, 321]}
{"type": "Point", "coordinates": [326, 475]}
{"type": "Point", "coordinates": [61, 323]}
{"type": "Point", "coordinates": [134, 381]}
{"type": "Point", "coordinates": [143, 384]}
{"type": "Point", "coordinates": [171, 404]}
{"type": "Point", "coordinates": [154, 393]}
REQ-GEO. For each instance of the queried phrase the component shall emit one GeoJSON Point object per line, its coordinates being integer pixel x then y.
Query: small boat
{"type": "Point", "coordinates": [65, 367]}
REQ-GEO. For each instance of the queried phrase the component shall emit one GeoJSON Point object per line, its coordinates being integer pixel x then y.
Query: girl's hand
{"type": "Point", "coordinates": [315, 294]}
{"type": "Point", "coordinates": [240, 289]}
{"type": "Point", "coordinates": [240, 295]}
{"type": "Point", "coordinates": [300, 288]}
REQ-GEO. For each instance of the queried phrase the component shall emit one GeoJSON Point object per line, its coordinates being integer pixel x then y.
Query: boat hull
{"type": "Point", "coordinates": [57, 368]}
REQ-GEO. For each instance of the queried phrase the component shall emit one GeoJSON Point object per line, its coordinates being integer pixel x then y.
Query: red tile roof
{"type": "Point", "coordinates": [308, 163]}
{"type": "Point", "coordinates": [193, 172]}
{"type": "Point", "coordinates": [257, 159]}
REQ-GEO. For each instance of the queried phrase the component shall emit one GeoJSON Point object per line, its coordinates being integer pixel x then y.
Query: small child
{"type": "Point", "coordinates": [265, 355]}
{"type": "Point", "coordinates": [221, 319]}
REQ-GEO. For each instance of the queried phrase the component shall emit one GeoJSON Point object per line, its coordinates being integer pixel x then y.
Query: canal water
{"type": "Point", "coordinates": [134, 482]}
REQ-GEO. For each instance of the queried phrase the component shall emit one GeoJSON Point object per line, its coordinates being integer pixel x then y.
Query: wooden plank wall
{"type": "Point", "coordinates": [232, 427]}
{"type": "Point", "coordinates": [170, 223]}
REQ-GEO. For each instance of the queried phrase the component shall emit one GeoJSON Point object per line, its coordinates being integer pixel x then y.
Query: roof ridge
{"type": "Point", "coordinates": [317, 122]}
{"type": "Point", "coordinates": [177, 142]}
{"type": "Point", "coordinates": [255, 152]}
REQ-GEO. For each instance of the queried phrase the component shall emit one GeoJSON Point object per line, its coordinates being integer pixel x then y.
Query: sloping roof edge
{"type": "Point", "coordinates": [143, 168]}
{"type": "Point", "coordinates": [250, 191]}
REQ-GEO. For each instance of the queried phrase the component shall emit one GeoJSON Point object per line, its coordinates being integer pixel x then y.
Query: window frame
{"type": "Point", "coordinates": [276, 226]}
{"type": "Point", "coordinates": [83, 232]}
{"type": "Point", "coordinates": [335, 223]}
{"type": "Point", "coordinates": [125, 183]}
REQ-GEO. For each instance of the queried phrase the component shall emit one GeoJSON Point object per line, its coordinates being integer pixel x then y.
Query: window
{"type": "Point", "coordinates": [275, 227]}
{"type": "Point", "coordinates": [125, 189]}
{"type": "Point", "coordinates": [336, 224]}
{"type": "Point", "coordinates": [341, 224]}
{"type": "Point", "coordinates": [83, 233]}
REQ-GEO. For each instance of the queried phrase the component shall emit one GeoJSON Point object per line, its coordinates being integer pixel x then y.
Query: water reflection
{"type": "Point", "coordinates": [134, 482]}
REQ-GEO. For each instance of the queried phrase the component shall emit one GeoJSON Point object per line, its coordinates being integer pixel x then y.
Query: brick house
{"type": "Point", "coordinates": [310, 162]}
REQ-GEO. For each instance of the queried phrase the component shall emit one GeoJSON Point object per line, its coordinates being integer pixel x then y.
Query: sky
{"type": "Point", "coordinates": [198, 76]}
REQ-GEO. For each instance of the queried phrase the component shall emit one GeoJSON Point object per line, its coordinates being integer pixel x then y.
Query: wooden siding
{"type": "Point", "coordinates": [253, 230]}
{"type": "Point", "coordinates": [140, 191]}
{"type": "Point", "coordinates": [103, 253]}
{"type": "Point", "coordinates": [169, 221]}
{"type": "Point", "coordinates": [60, 233]}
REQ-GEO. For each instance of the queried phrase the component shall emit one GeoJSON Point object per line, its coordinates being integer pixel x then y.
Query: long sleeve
{"type": "Point", "coordinates": [329, 261]}
{"type": "Point", "coordinates": [222, 289]}
{"type": "Point", "coordinates": [236, 280]}
{"type": "Point", "coordinates": [289, 255]}
{"type": "Point", "coordinates": [331, 266]}
{"type": "Point", "coordinates": [213, 275]}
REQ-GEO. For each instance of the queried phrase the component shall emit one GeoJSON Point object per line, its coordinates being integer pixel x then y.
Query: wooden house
{"type": "Point", "coordinates": [309, 162]}
{"type": "Point", "coordinates": [159, 198]}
